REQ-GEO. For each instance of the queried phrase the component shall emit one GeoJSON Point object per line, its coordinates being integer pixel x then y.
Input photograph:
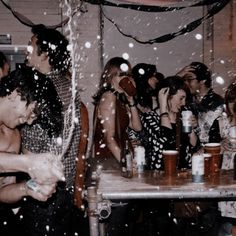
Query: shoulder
{"type": "Point", "coordinates": [217, 98]}
{"type": "Point", "coordinates": [10, 140]}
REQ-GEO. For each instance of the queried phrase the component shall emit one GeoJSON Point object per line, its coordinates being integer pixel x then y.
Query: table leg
{"type": "Point", "coordinates": [92, 205]}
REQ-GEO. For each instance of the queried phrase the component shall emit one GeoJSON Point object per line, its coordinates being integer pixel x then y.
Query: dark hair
{"type": "Point", "coordinates": [3, 59]}
{"type": "Point", "coordinates": [33, 86]}
{"type": "Point", "coordinates": [55, 45]}
{"type": "Point", "coordinates": [174, 83]}
{"type": "Point", "coordinates": [141, 73]}
{"type": "Point", "coordinates": [230, 97]}
{"type": "Point", "coordinates": [148, 70]}
{"type": "Point", "coordinates": [111, 69]}
{"type": "Point", "coordinates": [202, 72]}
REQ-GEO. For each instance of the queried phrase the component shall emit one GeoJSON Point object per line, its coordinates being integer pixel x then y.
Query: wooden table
{"type": "Point", "coordinates": [110, 185]}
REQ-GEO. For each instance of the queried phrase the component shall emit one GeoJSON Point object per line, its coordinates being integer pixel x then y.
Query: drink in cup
{"type": "Point", "coordinates": [170, 161]}
{"type": "Point", "coordinates": [207, 159]}
{"type": "Point", "coordinates": [186, 120]}
{"type": "Point", "coordinates": [232, 132]}
{"type": "Point", "coordinates": [215, 160]}
{"type": "Point", "coordinates": [198, 168]}
{"type": "Point", "coordinates": [127, 85]}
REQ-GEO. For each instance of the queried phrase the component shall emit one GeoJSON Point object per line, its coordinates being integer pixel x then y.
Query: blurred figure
{"type": "Point", "coordinates": [48, 54]}
{"type": "Point", "coordinates": [206, 104]}
{"type": "Point", "coordinates": [115, 110]}
{"type": "Point", "coordinates": [4, 65]}
{"type": "Point", "coordinates": [146, 79]}
{"type": "Point", "coordinates": [20, 102]}
{"type": "Point", "coordinates": [223, 130]}
{"type": "Point", "coordinates": [162, 131]}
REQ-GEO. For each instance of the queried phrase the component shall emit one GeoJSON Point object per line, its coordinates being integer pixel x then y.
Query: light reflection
{"type": "Point", "coordinates": [125, 56]}
{"type": "Point", "coordinates": [124, 67]}
{"type": "Point", "coordinates": [141, 71]}
{"type": "Point", "coordinates": [198, 36]}
{"type": "Point", "coordinates": [131, 45]}
{"type": "Point", "coordinates": [29, 49]}
{"type": "Point", "coordinates": [88, 45]}
{"type": "Point", "coordinates": [220, 80]}
{"type": "Point", "coordinates": [16, 49]}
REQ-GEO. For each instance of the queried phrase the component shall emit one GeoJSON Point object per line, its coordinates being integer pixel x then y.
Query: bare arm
{"type": "Point", "coordinates": [33, 164]}
{"type": "Point", "coordinates": [164, 111]}
{"type": "Point", "coordinates": [14, 192]}
{"type": "Point", "coordinates": [134, 118]}
{"type": "Point", "coordinates": [107, 114]}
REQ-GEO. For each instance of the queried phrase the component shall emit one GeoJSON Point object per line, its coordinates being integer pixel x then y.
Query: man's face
{"type": "Point", "coordinates": [33, 59]}
{"type": "Point", "coordinates": [192, 83]}
{"type": "Point", "coordinates": [19, 113]}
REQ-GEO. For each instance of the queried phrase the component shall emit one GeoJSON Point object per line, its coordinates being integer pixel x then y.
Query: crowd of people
{"type": "Point", "coordinates": [36, 115]}
{"type": "Point", "coordinates": [156, 109]}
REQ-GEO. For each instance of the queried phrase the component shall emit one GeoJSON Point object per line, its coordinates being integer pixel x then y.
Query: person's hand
{"type": "Point", "coordinates": [162, 98]}
{"type": "Point", "coordinates": [186, 72]}
{"type": "Point", "coordinates": [129, 89]}
{"type": "Point", "coordinates": [41, 192]}
{"type": "Point", "coordinates": [194, 121]}
{"type": "Point", "coordinates": [45, 168]}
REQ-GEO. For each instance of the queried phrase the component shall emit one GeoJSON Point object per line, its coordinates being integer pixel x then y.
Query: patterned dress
{"type": "Point", "coordinates": [156, 138]}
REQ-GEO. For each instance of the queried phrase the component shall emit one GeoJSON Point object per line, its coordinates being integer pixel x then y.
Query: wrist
{"type": "Point", "coordinates": [196, 130]}
{"type": "Point", "coordinates": [164, 114]}
{"type": "Point", "coordinates": [133, 104]}
{"type": "Point", "coordinates": [24, 189]}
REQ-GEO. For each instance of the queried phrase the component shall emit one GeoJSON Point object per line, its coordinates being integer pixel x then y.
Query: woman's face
{"type": "Point", "coordinates": [177, 101]}
{"type": "Point", "coordinates": [117, 78]}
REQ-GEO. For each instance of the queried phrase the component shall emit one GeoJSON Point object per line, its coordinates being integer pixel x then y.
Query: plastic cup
{"type": "Point", "coordinates": [170, 162]}
{"type": "Point", "coordinates": [126, 84]}
{"type": "Point", "coordinates": [214, 149]}
{"type": "Point", "coordinates": [207, 159]}
{"type": "Point", "coordinates": [186, 120]}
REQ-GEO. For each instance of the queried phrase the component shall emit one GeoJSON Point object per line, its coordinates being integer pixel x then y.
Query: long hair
{"type": "Point", "coordinates": [112, 68]}
{"type": "Point", "coordinates": [141, 73]}
{"type": "Point", "coordinates": [230, 97]}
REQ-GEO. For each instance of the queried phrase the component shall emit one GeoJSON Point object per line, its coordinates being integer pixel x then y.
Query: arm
{"type": "Point", "coordinates": [33, 164]}
{"type": "Point", "coordinates": [164, 111]}
{"type": "Point", "coordinates": [14, 192]}
{"type": "Point", "coordinates": [193, 137]}
{"type": "Point", "coordinates": [187, 71]}
{"type": "Point", "coordinates": [107, 114]}
{"type": "Point", "coordinates": [134, 118]}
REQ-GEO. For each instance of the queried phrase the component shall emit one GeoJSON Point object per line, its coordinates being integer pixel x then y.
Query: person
{"type": "Point", "coordinates": [4, 65]}
{"type": "Point", "coordinates": [20, 102]}
{"type": "Point", "coordinates": [48, 54]}
{"type": "Point", "coordinates": [206, 104]}
{"type": "Point", "coordinates": [163, 123]}
{"type": "Point", "coordinates": [146, 79]}
{"type": "Point", "coordinates": [223, 131]}
{"type": "Point", "coordinates": [114, 112]}
{"type": "Point", "coordinates": [162, 131]}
